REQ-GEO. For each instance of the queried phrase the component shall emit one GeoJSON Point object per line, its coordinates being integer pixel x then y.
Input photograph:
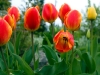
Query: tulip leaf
{"type": "Point", "coordinates": [76, 67]}
{"type": "Point", "coordinates": [48, 42]}
{"type": "Point", "coordinates": [16, 72]}
{"type": "Point", "coordinates": [53, 69]}
{"type": "Point", "coordinates": [89, 61]}
{"type": "Point", "coordinates": [2, 65]}
{"type": "Point", "coordinates": [27, 69]}
{"type": "Point", "coordinates": [50, 54]}
{"type": "Point", "coordinates": [17, 43]}
{"type": "Point", "coordinates": [97, 61]}
{"type": "Point", "coordinates": [84, 74]}
{"type": "Point", "coordinates": [95, 45]}
{"type": "Point", "coordinates": [27, 56]}
{"type": "Point", "coordinates": [2, 73]}
{"type": "Point", "coordinates": [10, 47]}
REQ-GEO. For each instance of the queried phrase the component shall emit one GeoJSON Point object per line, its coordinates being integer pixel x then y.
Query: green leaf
{"type": "Point", "coordinates": [27, 56]}
{"type": "Point", "coordinates": [27, 69]}
{"type": "Point", "coordinates": [84, 74]}
{"type": "Point", "coordinates": [53, 69]}
{"type": "Point", "coordinates": [10, 47]}
{"type": "Point", "coordinates": [16, 72]}
{"type": "Point", "coordinates": [50, 54]}
{"type": "Point", "coordinates": [17, 43]}
{"type": "Point", "coordinates": [76, 67]}
{"type": "Point", "coordinates": [95, 45]}
{"type": "Point", "coordinates": [48, 42]}
{"type": "Point", "coordinates": [2, 73]}
{"type": "Point", "coordinates": [97, 61]}
{"type": "Point", "coordinates": [2, 65]}
{"type": "Point", "coordinates": [89, 61]}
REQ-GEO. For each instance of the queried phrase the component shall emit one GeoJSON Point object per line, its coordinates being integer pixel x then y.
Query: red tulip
{"type": "Point", "coordinates": [11, 20]}
{"type": "Point", "coordinates": [63, 41]}
{"type": "Point", "coordinates": [72, 20]}
{"type": "Point", "coordinates": [5, 32]}
{"type": "Point", "coordinates": [49, 13]}
{"type": "Point", "coordinates": [14, 11]}
{"type": "Point", "coordinates": [64, 9]}
{"type": "Point", "coordinates": [32, 19]}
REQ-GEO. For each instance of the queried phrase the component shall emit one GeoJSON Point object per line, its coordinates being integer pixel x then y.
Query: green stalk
{"type": "Point", "coordinates": [91, 38]}
{"type": "Point", "coordinates": [52, 29]}
{"type": "Point", "coordinates": [72, 57]}
{"type": "Point", "coordinates": [33, 49]}
{"type": "Point", "coordinates": [7, 69]}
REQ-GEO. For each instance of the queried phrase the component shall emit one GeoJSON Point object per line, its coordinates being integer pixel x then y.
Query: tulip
{"type": "Point", "coordinates": [63, 41]}
{"type": "Point", "coordinates": [32, 19]}
{"type": "Point", "coordinates": [72, 20]}
{"type": "Point", "coordinates": [91, 13]}
{"type": "Point", "coordinates": [49, 13]}
{"type": "Point", "coordinates": [5, 32]}
{"type": "Point", "coordinates": [14, 11]}
{"type": "Point", "coordinates": [11, 20]}
{"type": "Point", "coordinates": [88, 33]}
{"type": "Point", "coordinates": [64, 9]}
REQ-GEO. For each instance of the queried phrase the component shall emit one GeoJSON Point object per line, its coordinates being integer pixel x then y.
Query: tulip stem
{"type": "Point", "coordinates": [72, 57]}
{"type": "Point", "coordinates": [91, 38]}
{"type": "Point", "coordinates": [52, 29]}
{"type": "Point", "coordinates": [33, 50]}
{"type": "Point", "coordinates": [4, 60]}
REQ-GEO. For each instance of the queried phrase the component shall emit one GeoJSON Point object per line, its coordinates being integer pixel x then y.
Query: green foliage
{"type": "Point", "coordinates": [55, 69]}
{"type": "Point", "coordinates": [4, 4]}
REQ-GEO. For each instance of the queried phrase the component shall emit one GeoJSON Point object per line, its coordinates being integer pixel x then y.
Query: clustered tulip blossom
{"type": "Point", "coordinates": [72, 20]}
{"type": "Point", "coordinates": [11, 20]}
{"type": "Point", "coordinates": [14, 11]}
{"type": "Point", "coordinates": [63, 41]}
{"type": "Point", "coordinates": [32, 19]}
{"type": "Point", "coordinates": [91, 13]}
{"type": "Point", "coordinates": [5, 32]}
{"type": "Point", "coordinates": [49, 13]}
{"type": "Point", "coordinates": [64, 10]}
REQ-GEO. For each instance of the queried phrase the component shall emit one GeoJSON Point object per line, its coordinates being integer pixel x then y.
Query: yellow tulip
{"type": "Point", "coordinates": [91, 13]}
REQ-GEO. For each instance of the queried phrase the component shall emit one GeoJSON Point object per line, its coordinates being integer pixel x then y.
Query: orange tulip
{"type": "Point", "coordinates": [49, 13]}
{"type": "Point", "coordinates": [64, 9]}
{"type": "Point", "coordinates": [14, 11]}
{"type": "Point", "coordinates": [5, 32]}
{"type": "Point", "coordinates": [63, 41]}
{"type": "Point", "coordinates": [32, 19]}
{"type": "Point", "coordinates": [72, 20]}
{"type": "Point", "coordinates": [11, 20]}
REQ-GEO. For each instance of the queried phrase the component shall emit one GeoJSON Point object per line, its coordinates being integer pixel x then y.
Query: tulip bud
{"type": "Point", "coordinates": [72, 20]}
{"type": "Point", "coordinates": [49, 13]}
{"type": "Point", "coordinates": [91, 13]}
{"type": "Point", "coordinates": [88, 33]}
{"type": "Point", "coordinates": [5, 32]}
{"type": "Point", "coordinates": [32, 19]}
{"type": "Point", "coordinates": [63, 41]}
{"type": "Point", "coordinates": [64, 9]}
{"type": "Point", "coordinates": [14, 11]}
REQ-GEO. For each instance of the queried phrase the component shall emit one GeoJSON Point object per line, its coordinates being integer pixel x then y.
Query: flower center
{"type": "Point", "coordinates": [65, 40]}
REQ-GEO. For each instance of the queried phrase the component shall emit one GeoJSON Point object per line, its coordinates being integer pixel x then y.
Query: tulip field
{"type": "Point", "coordinates": [68, 50]}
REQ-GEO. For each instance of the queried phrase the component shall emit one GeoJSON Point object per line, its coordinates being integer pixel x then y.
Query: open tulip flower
{"type": "Point", "coordinates": [5, 32]}
{"type": "Point", "coordinates": [91, 13]}
{"type": "Point", "coordinates": [64, 9]}
{"type": "Point", "coordinates": [11, 20]}
{"type": "Point", "coordinates": [32, 19]}
{"type": "Point", "coordinates": [49, 13]}
{"type": "Point", "coordinates": [14, 11]}
{"type": "Point", "coordinates": [63, 41]}
{"type": "Point", "coordinates": [72, 20]}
